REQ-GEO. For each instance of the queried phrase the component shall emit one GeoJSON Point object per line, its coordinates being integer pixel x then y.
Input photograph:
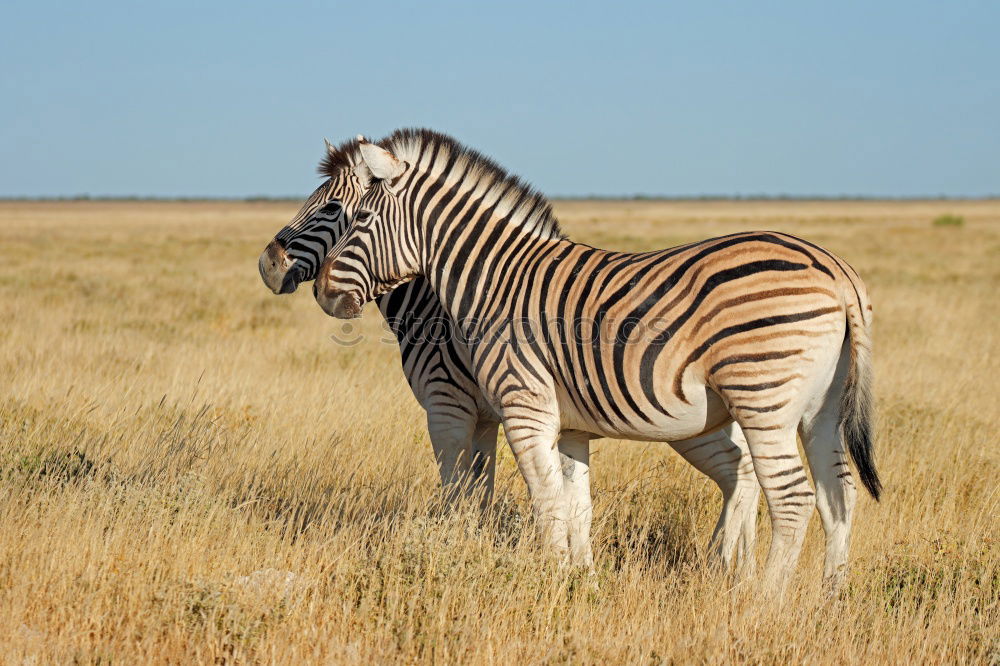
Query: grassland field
{"type": "Point", "coordinates": [192, 471]}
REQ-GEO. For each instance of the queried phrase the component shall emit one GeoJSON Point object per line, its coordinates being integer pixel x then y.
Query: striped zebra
{"type": "Point", "coordinates": [461, 423]}
{"type": "Point", "coordinates": [462, 427]}
{"type": "Point", "coordinates": [760, 328]}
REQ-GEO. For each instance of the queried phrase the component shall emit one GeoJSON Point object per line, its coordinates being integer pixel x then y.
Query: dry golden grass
{"type": "Point", "coordinates": [168, 428]}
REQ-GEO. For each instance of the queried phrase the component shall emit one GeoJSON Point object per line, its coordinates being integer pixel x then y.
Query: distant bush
{"type": "Point", "coordinates": [949, 220]}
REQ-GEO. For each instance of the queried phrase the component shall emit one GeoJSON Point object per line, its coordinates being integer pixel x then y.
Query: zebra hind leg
{"type": "Point", "coordinates": [745, 503]}
{"type": "Point", "coordinates": [724, 457]}
{"type": "Point", "coordinates": [835, 491]}
{"type": "Point", "coordinates": [790, 498]}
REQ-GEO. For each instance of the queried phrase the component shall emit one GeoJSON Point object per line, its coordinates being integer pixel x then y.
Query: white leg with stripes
{"type": "Point", "coordinates": [450, 435]}
{"type": "Point", "coordinates": [483, 457]}
{"type": "Point", "coordinates": [744, 503]}
{"type": "Point", "coordinates": [835, 496]}
{"type": "Point", "coordinates": [724, 457]}
{"type": "Point", "coordinates": [535, 448]}
{"type": "Point", "coordinates": [790, 499]}
{"type": "Point", "coordinates": [574, 453]}
{"type": "Point", "coordinates": [835, 491]}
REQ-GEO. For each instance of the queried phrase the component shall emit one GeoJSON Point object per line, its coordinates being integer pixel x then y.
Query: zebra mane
{"type": "Point", "coordinates": [449, 160]}
{"type": "Point", "coordinates": [344, 156]}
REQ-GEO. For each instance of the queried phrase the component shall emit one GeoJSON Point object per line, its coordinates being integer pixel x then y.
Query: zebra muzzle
{"type": "Point", "coordinates": [275, 269]}
{"type": "Point", "coordinates": [337, 303]}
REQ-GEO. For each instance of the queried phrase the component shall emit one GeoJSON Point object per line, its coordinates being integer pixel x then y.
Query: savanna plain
{"type": "Point", "coordinates": [193, 470]}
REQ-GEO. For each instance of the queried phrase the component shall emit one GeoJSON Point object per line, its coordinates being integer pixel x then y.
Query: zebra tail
{"type": "Point", "coordinates": [857, 409]}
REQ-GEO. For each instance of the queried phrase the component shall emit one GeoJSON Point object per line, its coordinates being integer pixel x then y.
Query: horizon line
{"type": "Point", "coordinates": [562, 197]}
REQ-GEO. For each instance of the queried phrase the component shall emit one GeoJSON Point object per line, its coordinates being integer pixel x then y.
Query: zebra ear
{"type": "Point", "coordinates": [383, 164]}
{"type": "Point", "coordinates": [363, 175]}
{"type": "Point", "coordinates": [330, 150]}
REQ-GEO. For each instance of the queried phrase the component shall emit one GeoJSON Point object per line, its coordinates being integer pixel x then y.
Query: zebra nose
{"type": "Point", "coordinates": [273, 266]}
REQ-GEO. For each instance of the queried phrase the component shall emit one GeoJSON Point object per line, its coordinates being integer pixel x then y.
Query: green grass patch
{"type": "Point", "coordinates": [949, 220]}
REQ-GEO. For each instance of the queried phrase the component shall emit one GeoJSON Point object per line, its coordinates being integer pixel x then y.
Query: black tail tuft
{"type": "Point", "coordinates": [857, 430]}
{"type": "Point", "coordinates": [857, 410]}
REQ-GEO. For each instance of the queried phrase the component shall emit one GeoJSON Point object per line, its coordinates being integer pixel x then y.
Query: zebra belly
{"type": "Point", "coordinates": [706, 412]}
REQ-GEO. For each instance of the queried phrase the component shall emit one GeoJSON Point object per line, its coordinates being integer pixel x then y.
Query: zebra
{"type": "Point", "coordinates": [461, 424]}
{"type": "Point", "coordinates": [462, 428]}
{"type": "Point", "coordinates": [761, 328]}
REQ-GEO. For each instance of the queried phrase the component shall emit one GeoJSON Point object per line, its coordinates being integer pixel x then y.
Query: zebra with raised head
{"type": "Point", "coordinates": [762, 328]}
{"type": "Point", "coordinates": [462, 427]}
{"type": "Point", "coordinates": [461, 424]}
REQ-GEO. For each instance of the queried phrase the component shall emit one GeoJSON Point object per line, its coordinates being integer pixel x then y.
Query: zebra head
{"type": "Point", "coordinates": [295, 253]}
{"type": "Point", "coordinates": [374, 256]}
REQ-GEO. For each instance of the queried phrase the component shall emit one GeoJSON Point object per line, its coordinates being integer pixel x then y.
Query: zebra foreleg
{"type": "Point", "coordinates": [574, 454]}
{"type": "Point", "coordinates": [535, 448]}
{"type": "Point", "coordinates": [483, 459]}
{"type": "Point", "coordinates": [451, 433]}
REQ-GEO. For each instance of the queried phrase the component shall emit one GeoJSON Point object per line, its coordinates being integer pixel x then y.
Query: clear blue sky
{"type": "Point", "coordinates": [234, 98]}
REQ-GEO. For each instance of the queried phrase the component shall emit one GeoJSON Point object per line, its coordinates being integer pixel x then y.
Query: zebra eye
{"type": "Point", "coordinates": [363, 216]}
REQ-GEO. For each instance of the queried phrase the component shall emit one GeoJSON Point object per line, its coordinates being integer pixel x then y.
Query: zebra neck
{"type": "Point", "coordinates": [411, 308]}
{"type": "Point", "coordinates": [483, 273]}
